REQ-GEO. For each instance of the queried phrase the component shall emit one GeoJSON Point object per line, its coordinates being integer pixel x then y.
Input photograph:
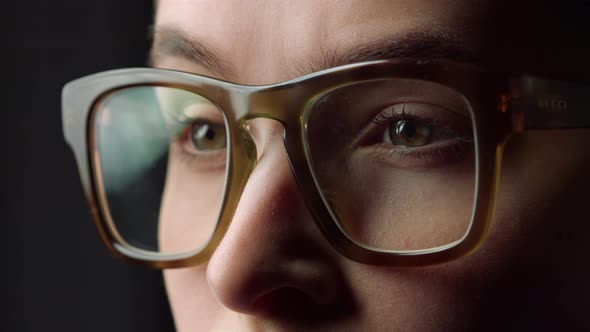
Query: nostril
{"type": "Point", "coordinates": [291, 304]}
{"type": "Point", "coordinates": [281, 299]}
{"type": "Point", "coordinates": [288, 303]}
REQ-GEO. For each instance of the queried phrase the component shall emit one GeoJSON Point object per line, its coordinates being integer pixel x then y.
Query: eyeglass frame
{"type": "Point", "coordinates": [513, 104]}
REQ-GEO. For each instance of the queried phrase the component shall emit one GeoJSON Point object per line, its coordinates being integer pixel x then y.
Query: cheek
{"type": "Point", "coordinates": [518, 274]}
{"type": "Point", "coordinates": [193, 305]}
{"type": "Point", "coordinates": [527, 269]}
{"type": "Point", "coordinates": [414, 210]}
{"type": "Point", "coordinates": [542, 190]}
{"type": "Point", "coordinates": [190, 206]}
{"type": "Point", "coordinates": [428, 299]}
{"type": "Point", "coordinates": [401, 209]}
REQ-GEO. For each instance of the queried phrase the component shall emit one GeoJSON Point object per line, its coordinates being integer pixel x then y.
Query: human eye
{"type": "Point", "coordinates": [202, 143]}
{"type": "Point", "coordinates": [418, 135]}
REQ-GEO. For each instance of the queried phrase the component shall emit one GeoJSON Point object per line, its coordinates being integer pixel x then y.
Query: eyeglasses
{"type": "Point", "coordinates": [398, 161]}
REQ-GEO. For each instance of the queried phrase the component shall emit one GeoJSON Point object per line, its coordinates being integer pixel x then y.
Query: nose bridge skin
{"type": "Point", "coordinates": [285, 103]}
{"type": "Point", "coordinates": [272, 253]}
{"type": "Point", "coordinates": [242, 104]}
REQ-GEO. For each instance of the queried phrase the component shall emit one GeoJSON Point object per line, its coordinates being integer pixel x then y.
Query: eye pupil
{"type": "Point", "coordinates": [206, 136]}
{"type": "Point", "coordinates": [405, 129]}
{"type": "Point", "coordinates": [410, 133]}
{"type": "Point", "coordinates": [209, 134]}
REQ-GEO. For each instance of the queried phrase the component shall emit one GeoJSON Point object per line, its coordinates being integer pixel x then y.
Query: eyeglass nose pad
{"type": "Point", "coordinates": [256, 140]}
{"type": "Point", "coordinates": [248, 143]}
{"type": "Point", "coordinates": [259, 133]}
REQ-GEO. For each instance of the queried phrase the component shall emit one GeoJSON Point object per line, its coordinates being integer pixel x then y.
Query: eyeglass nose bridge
{"type": "Point", "coordinates": [283, 104]}
{"type": "Point", "coordinates": [255, 136]}
{"type": "Point", "coordinates": [252, 105]}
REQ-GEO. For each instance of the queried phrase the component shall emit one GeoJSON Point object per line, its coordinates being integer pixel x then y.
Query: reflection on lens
{"type": "Point", "coordinates": [161, 158]}
{"type": "Point", "coordinates": [395, 162]}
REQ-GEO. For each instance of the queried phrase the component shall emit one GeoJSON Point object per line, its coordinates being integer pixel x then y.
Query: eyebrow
{"type": "Point", "coordinates": [170, 41]}
{"type": "Point", "coordinates": [416, 45]}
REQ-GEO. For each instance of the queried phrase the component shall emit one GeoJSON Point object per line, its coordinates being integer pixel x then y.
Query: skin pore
{"type": "Point", "coordinates": [275, 270]}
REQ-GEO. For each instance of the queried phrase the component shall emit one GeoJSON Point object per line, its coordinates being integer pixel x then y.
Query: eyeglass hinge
{"type": "Point", "coordinates": [506, 104]}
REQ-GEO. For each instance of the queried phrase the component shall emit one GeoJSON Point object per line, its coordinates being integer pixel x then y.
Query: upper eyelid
{"type": "Point", "coordinates": [389, 114]}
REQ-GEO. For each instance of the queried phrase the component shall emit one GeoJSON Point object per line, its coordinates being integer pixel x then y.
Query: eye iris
{"type": "Point", "coordinates": [410, 133]}
{"type": "Point", "coordinates": [206, 136]}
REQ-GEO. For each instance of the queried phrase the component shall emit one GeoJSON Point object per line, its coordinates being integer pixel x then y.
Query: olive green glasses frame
{"type": "Point", "coordinates": [502, 105]}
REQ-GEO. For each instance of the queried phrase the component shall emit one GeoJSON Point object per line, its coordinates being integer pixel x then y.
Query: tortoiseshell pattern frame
{"type": "Point", "coordinates": [505, 106]}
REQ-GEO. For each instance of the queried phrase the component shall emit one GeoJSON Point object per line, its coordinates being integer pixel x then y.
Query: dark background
{"type": "Point", "coordinates": [56, 275]}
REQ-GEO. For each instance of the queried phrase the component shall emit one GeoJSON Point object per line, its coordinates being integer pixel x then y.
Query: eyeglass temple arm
{"type": "Point", "coordinates": [545, 104]}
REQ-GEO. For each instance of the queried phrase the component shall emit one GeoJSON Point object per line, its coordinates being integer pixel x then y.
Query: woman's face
{"type": "Point", "coordinates": [275, 270]}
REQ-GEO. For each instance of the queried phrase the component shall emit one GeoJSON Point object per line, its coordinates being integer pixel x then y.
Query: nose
{"type": "Point", "coordinates": [273, 260]}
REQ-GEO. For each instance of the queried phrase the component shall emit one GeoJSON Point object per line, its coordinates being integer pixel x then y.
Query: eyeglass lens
{"type": "Point", "coordinates": [162, 154]}
{"type": "Point", "coordinates": [394, 160]}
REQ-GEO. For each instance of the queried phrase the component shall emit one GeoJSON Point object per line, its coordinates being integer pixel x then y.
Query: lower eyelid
{"type": "Point", "coordinates": [435, 155]}
{"type": "Point", "coordinates": [214, 161]}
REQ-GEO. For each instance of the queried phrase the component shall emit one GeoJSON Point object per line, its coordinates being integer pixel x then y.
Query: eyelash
{"type": "Point", "coordinates": [390, 115]}
{"type": "Point", "coordinates": [433, 154]}
{"type": "Point", "coordinates": [213, 162]}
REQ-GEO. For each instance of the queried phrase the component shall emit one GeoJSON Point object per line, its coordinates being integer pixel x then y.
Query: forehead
{"type": "Point", "coordinates": [326, 18]}
{"type": "Point", "coordinates": [261, 42]}
{"type": "Point", "coordinates": [269, 41]}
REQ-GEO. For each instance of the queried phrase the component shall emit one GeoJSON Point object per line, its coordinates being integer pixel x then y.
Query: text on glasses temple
{"type": "Point", "coordinates": [546, 104]}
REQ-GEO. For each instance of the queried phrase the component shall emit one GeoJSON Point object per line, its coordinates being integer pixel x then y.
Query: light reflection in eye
{"type": "Point", "coordinates": [206, 136]}
{"type": "Point", "coordinates": [410, 133]}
